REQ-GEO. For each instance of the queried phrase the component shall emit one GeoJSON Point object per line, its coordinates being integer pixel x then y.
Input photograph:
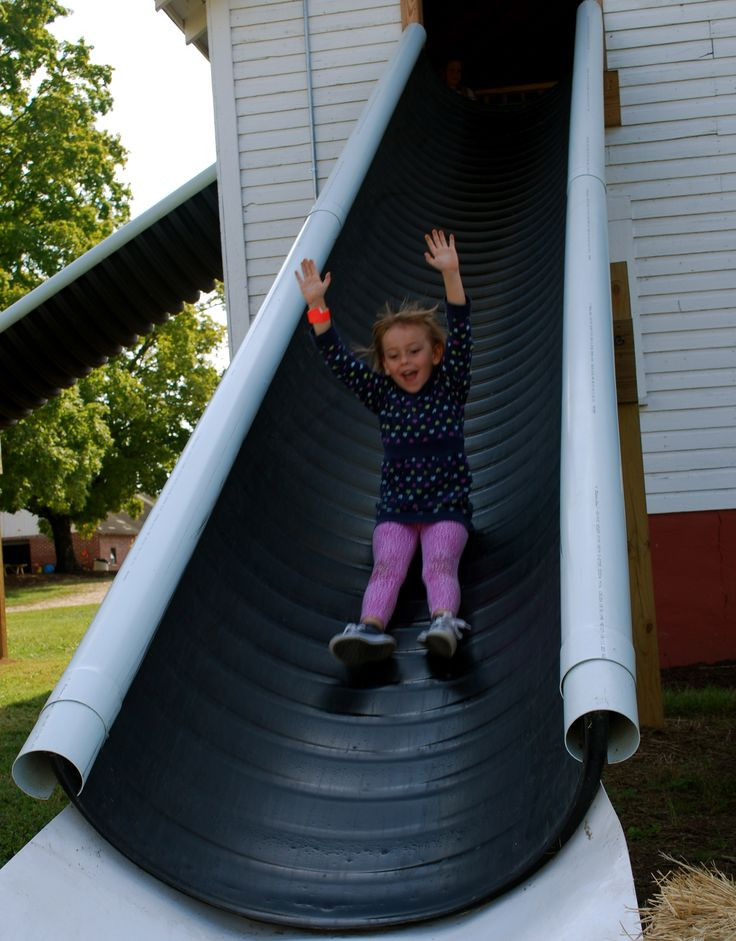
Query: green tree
{"type": "Point", "coordinates": [115, 435]}
{"type": "Point", "coordinates": [59, 194]}
{"type": "Point", "coordinates": [50, 460]}
{"type": "Point", "coordinates": [119, 431]}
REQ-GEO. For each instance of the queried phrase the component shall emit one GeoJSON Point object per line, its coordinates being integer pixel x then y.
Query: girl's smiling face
{"type": "Point", "coordinates": [408, 356]}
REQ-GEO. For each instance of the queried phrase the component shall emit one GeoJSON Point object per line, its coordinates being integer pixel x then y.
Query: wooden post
{"type": "Point", "coordinates": [611, 99]}
{"type": "Point", "coordinates": [411, 12]}
{"type": "Point", "coordinates": [644, 623]}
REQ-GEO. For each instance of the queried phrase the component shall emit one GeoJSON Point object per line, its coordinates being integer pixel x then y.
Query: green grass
{"type": "Point", "coordinates": [709, 701]}
{"type": "Point", "coordinates": [40, 646]}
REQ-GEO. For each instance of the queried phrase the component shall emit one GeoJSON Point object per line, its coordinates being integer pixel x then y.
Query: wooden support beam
{"type": "Point", "coordinates": [643, 617]}
{"type": "Point", "coordinates": [611, 99]}
{"type": "Point", "coordinates": [625, 354]}
{"type": "Point", "coordinates": [411, 12]}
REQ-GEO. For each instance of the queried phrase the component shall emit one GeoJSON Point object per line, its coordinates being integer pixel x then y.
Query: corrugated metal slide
{"type": "Point", "coordinates": [246, 767]}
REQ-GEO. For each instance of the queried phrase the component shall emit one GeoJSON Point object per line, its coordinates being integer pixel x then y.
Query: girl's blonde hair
{"type": "Point", "coordinates": [409, 314]}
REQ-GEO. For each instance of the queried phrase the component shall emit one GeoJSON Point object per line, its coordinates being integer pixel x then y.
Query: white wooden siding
{"type": "Point", "coordinates": [350, 43]}
{"type": "Point", "coordinates": [675, 158]}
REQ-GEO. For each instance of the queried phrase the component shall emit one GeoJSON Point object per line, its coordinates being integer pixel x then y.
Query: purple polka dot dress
{"type": "Point", "coordinates": [425, 475]}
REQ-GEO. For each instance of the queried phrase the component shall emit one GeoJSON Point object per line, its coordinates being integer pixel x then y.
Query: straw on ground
{"type": "Point", "coordinates": [692, 903]}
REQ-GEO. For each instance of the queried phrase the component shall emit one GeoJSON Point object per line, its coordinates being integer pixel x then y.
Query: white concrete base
{"type": "Point", "coordinates": [70, 885]}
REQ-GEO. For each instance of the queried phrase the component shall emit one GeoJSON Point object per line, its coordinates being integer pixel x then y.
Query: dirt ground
{"type": "Point", "coordinates": [90, 590]}
{"type": "Point", "coordinates": [677, 794]}
{"type": "Point", "coordinates": [700, 675]}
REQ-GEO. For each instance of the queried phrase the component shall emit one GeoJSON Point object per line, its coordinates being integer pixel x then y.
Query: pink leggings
{"type": "Point", "coordinates": [394, 545]}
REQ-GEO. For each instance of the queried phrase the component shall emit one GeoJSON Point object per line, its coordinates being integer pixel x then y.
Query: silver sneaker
{"type": "Point", "coordinates": [362, 643]}
{"type": "Point", "coordinates": [442, 636]}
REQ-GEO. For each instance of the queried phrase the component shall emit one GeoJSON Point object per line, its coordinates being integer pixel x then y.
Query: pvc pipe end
{"type": "Point", "coordinates": [622, 743]}
{"type": "Point", "coordinates": [605, 686]}
{"type": "Point", "coordinates": [69, 731]}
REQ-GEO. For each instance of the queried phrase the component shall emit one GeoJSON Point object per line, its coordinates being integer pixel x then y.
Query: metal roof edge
{"type": "Point", "coordinates": [47, 289]}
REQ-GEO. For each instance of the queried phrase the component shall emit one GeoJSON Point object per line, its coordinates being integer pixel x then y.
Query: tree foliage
{"type": "Point", "coordinates": [59, 194]}
{"type": "Point", "coordinates": [118, 432]}
{"type": "Point", "coordinates": [154, 394]}
{"type": "Point", "coordinates": [114, 435]}
{"type": "Point", "coordinates": [50, 459]}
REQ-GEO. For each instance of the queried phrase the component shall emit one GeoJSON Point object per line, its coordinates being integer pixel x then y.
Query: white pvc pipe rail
{"type": "Point", "coordinates": [77, 718]}
{"type": "Point", "coordinates": [597, 663]}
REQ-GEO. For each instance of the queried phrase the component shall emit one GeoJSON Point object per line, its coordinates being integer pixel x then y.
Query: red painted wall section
{"type": "Point", "coordinates": [694, 572]}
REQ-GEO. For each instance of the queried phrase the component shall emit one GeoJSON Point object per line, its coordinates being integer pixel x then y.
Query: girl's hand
{"type": "Point", "coordinates": [312, 286]}
{"type": "Point", "coordinates": [441, 255]}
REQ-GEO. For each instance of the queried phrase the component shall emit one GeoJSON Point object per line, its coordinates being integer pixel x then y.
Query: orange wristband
{"type": "Point", "coordinates": [318, 315]}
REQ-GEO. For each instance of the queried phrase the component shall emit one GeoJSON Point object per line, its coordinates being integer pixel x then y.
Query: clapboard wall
{"type": "Point", "coordinates": [675, 158]}
{"type": "Point", "coordinates": [349, 43]}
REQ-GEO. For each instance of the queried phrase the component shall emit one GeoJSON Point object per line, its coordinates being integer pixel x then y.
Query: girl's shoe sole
{"type": "Point", "coordinates": [353, 651]}
{"type": "Point", "coordinates": [440, 645]}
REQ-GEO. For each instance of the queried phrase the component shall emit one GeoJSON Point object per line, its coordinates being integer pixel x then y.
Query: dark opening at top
{"type": "Point", "coordinates": [502, 42]}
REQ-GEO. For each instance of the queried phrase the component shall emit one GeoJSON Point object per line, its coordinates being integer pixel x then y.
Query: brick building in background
{"type": "Point", "coordinates": [26, 550]}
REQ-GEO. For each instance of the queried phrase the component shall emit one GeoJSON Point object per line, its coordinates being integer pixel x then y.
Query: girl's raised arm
{"type": "Point", "coordinates": [442, 256]}
{"type": "Point", "coordinates": [314, 289]}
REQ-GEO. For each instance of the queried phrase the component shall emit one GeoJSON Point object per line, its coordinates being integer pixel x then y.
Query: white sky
{"type": "Point", "coordinates": [161, 89]}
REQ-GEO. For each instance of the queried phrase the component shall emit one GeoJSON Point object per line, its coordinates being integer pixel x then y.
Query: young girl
{"type": "Point", "coordinates": [418, 390]}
